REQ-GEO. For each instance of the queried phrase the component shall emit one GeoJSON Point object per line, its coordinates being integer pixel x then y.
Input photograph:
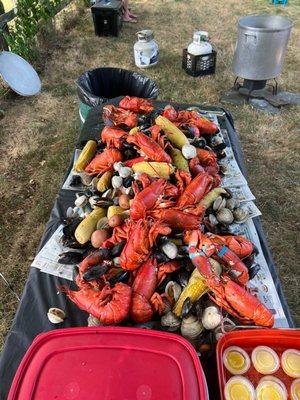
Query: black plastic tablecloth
{"type": "Point", "coordinates": [41, 290]}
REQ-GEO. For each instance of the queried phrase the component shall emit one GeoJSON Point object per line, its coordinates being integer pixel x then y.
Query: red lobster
{"type": "Point", "coordinates": [136, 105]}
{"type": "Point", "coordinates": [241, 246]}
{"type": "Point", "coordinates": [141, 236]}
{"type": "Point", "coordinates": [196, 190]}
{"type": "Point", "coordinates": [104, 161]}
{"type": "Point", "coordinates": [230, 295]}
{"type": "Point", "coordinates": [113, 136]}
{"type": "Point", "coordinates": [118, 116]}
{"type": "Point", "coordinates": [151, 196]}
{"type": "Point", "coordinates": [149, 147]}
{"type": "Point", "coordinates": [144, 298]}
{"type": "Point", "coordinates": [177, 219]}
{"type": "Point", "coordinates": [109, 305]}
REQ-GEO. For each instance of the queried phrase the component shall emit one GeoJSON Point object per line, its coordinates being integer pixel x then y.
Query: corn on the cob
{"type": "Point", "coordinates": [134, 130]}
{"type": "Point", "coordinates": [211, 196]}
{"type": "Point", "coordinates": [86, 227]}
{"type": "Point", "coordinates": [104, 181]}
{"type": "Point", "coordinates": [179, 161]}
{"type": "Point", "coordinates": [194, 290]}
{"type": "Point", "coordinates": [86, 156]}
{"type": "Point", "coordinates": [154, 169]}
{"type": "Point", "coordinates": [174, 134]}
{"type": "Point", "coordinates": [114, 210]}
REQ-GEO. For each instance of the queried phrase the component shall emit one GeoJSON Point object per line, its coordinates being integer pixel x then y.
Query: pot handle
{"type": "Point", "coordinates": [250, 37]}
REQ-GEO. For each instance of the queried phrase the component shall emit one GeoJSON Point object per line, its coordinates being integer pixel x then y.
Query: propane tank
{"type": "Point", "coordinates": [145, 49]}
{"type": "Point", "coordinates": [200, 44]}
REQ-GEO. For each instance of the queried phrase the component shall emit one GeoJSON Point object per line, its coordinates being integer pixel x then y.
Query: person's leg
{"type": "Point", "coordinates": [127, 16]}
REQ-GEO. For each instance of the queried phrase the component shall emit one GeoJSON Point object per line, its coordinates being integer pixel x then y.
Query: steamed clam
{"type": "Point", "coordinates": [93, 321]}
{"type": "Point", "coordinates": [225, 216]}
{"type": "Point", "coordinates": [191, 327]}
{"type": "Point", "coordinates": [219, 203]}
{"type": "Point", "coordinates": [173, 290]}
{"type": "Point", "coordinates": [212, 219]}
{"type": "Point", "coordinates": [232, 203]}
{"type": "Point", "coordinates": [211, 317]}
{"type": "Point", "coordinates": [56, 315]}
{"type": "Point", "coordinates": [240, 214]}
{"type": "Point", "coordinates": [170, 321]}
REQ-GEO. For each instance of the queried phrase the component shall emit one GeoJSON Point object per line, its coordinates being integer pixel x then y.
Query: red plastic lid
{"type": "Point", "coordinates": [109, 363]}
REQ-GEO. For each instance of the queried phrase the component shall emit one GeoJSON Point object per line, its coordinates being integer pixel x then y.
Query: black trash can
{"type": "Point", "coordinates": [98, 86]}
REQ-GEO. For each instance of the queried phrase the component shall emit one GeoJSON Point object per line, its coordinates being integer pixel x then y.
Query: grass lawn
{"type": "Point", "coordinates": [37, 135]}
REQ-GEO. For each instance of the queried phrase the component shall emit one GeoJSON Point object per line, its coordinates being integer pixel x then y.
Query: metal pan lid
{"type": "Point", "coordinates": [18, 74]}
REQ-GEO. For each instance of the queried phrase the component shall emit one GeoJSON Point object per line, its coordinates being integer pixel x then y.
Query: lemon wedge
{"type": "Point", "coordinates": [265, 360]}
{"type": "Point", "coordinates": [290, 362]}
{"type": "Point", "coordinates": [239, 388]}
{"type": "Point", "coordinates": [236, 360]}
{"type": "Point", "coordinates": [295, 390]}
{"type": "Point", "coordinates": [271, 388]}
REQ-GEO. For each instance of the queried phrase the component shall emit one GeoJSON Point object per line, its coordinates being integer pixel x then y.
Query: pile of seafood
{"type": "Point", "coordinates": [153, 222]}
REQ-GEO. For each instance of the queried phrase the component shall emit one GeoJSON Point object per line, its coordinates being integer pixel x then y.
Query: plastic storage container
{"type": "Point", "coordinates": [107, 17]}
{"type": "Point", "coordinates": [109, 363]}
{"type": "Point", "coordinates": [98, 86]}
{"type": "Point", "coordinates": [278, 339]}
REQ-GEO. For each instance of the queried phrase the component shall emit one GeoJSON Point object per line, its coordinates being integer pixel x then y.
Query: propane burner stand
{"type": "Point", "coordinates": [254, 88]}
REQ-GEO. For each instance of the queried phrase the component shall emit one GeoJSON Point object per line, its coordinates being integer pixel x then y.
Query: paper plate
{"type": "Point", "coordinates": [18, 74]}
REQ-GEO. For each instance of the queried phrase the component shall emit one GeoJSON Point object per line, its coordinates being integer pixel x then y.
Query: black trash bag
{"type": "Point", "coordinates": [99, 85]}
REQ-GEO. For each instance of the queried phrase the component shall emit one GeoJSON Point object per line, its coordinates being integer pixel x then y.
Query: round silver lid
{"type": "Point", "coordinates": [18, 74]}
{"type": "Point", "coordinates": [145, 36]}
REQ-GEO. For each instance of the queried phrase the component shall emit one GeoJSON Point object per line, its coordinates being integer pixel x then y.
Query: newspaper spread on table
{"type": "Point", "coordinates": [262, 285]}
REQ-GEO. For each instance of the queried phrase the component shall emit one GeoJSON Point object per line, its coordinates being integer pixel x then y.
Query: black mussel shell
{"type": "Point", "coordinates": [128, 146]}
{"type": "Point", "coordinates": [149, 325]}
{"type": "Point", "coordinates": [253, 271]}
{"type": "Point", "coordinates": [128, 181]}
{"type": "Point", "coordinates": [75, 272]}
{"type": "Point", "coordinates": [221, 154]}
{"type": "Point", "coordinates": [117, 249]}
{"type": "Point", "coordinates": [219, 147]}
{"type": "Point", "coordinates": [182, 277]}
{"type": "Point", "coordinates": [101, 145]}
{"type": "Point", "coordinates": [161, 258]}
{"type": "Point", "coordinates": [121, 276]}
{"type": "Point", "coordinates": [72, 243]}
{"type": "Point", "coordinates": [162, 287]}
{"type": "Point", "coordinates": [199, 142]}
{"type": "Point", "coordinates": [69, 229]}
{"type": "Point", "coordinates": [105, 253]}
{"type": "Point", "coordinates": [104, 202]}
{"type": "Point", "coordinates": [76, 181]}
{"type": "Point", "coordinates": [95, 272]}
{"type": "Point", "coordinates": [248, 261]}
{"type": "Point", "coordinates": [186, 308]}
{"type": "Point", "coordinates": [70, 257]}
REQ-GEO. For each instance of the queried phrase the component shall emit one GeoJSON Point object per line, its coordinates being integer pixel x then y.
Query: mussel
{"type": "Point", "coordinates": [70, 257]}
{"type": "Point", "coordinates": [161, 257]}
{"type": "Point", "coordinates": [76, 181]}
{"type": "Point", "coordinates": [186, 307]}
{"type": "Point", "coordinates": [120, 276]}
{"type": "Point", "coordinates": [70, 227]}
{"type": "Point", "coordinates": [173, 290]}
{"type": "Point", "coordinates": [117, 249]}
{"type": "Point", "coordinates": [253, 270]}
{"type": "Point", "coordinates": [199, 142]}
{"type": "Point", "coordinates": [95, 272]}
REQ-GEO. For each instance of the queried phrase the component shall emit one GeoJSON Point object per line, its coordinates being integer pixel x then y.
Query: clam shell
{"type": "Point", "coordinates": [93, 321]}
{"type": "Point", "coordinates": [81, 201]}
{"type": "Point", "coordinates": [116, 182]}
{"type": "Point", "coordinates": [189, 151]}
{"type": "Point", "coordinates": [170, 321]}
{"type": "Point", "coordinates": [94, 183]}
{"type": "Point", "coordinates": [219, 203]}
{"type": "Point", "coordinates": [86, 178]}
{"type": "Point", "coordinates": [225, 216]}
{"type": "Point", "coordinates": [191, 327]}
{"type": "Point", "coordinates": [170, 249]}
{"type": "Point", "coordinates": [118, 165]}
{"type": "Point", "coordinates": [125, 172]}
{"type": "Point", "coordinates": [211, 317]}
{"type": "Point", "coordinates": [173, 290]}
{"type": "Point", "coordinates": [240, 214]}
{"type": "Point", "coordinates": [212, 219]}
{"type": "Point", "coordinates": [56, 315]}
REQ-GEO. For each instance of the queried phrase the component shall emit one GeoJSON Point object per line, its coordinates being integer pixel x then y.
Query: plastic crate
{"type": "Point", "coordinates": [199, 65]}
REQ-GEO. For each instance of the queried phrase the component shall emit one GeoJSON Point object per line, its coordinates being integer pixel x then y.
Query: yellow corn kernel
{"type": "Point", "coordinates": [174, 134]}
{"type": "Point", "coordinates": [154, 169]}
{"type": "Point", "coordinates": [104, 181]}
{"type": "Point", "coordinates": [179, 161]}
{"type": "Point", "coordinates": [86, 156]}
{"type": "Point", "coordinates": [114, 210]}
{"type": "Point", "coordinates": [88, 225]}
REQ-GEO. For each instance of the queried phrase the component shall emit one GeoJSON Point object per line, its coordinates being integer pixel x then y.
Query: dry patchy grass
{"type": "Point", "coordinates": [37, 134]}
